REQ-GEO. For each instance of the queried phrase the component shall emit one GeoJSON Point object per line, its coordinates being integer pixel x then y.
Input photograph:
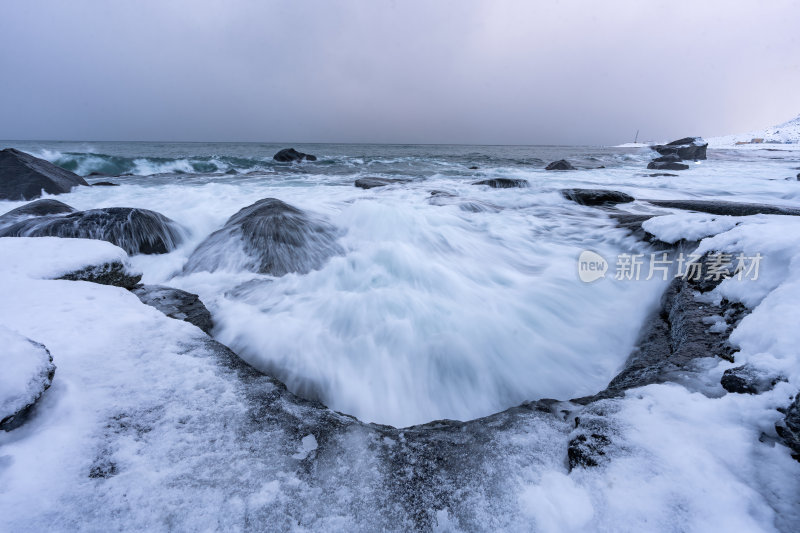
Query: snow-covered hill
{"type": "Point", "coordinates": [786, 135]}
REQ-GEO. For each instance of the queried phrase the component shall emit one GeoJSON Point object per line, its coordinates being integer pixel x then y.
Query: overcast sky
{"type": "Point", "coordinates": [521, 72]}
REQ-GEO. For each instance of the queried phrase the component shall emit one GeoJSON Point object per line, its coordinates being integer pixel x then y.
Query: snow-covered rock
{"type": "Point", "coordinates": [26, 371]}
{"type": "Point", "coordinates": [73, 259]}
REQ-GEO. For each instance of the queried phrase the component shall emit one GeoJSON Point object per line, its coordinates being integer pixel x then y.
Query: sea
{"type": "Point", "coordinates": [451, 305]}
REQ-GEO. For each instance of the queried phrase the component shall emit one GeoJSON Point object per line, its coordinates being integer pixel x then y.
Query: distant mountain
{"type": "Point", "coordinates": [787, 133]}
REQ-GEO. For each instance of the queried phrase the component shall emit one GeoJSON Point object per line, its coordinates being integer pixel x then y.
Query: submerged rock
{"type": "Point", "coordinates": [137, 231]}
{"type": "Point", "coordinates": [176, 303]}
{"type": "Point", "coordinates": [37, 208]}
{"type": "Point", "coordinates": [503, 183]}
{"type": "Point", "coordinates": [656, 165]}
{"type": "Point", "coordinates": [746, 379]}
{"type": "Point", "coordinates": [561, 164]}
{"type": "Point", "coordinates": [692, 148]}
{"type": "Point", "coordinates": [371, 183]}
{"type": "Point", "coordinates": [105, 184]}
{"type": "Point", "coordinates": [287, 155]}
{"type": "Point", "coordinates": [596, 196]}
{"type": "Point", "coordinates": [24, 177]}
{"type": "Point", "coordinates": [268, 237]}
{"type": "Point", "coordinates": [26, 371]}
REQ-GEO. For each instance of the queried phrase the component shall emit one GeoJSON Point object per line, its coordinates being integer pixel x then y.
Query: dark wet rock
{"type": "Point", "coordinates": [789, 428]}
{"type": "Point", "coordinates": [473, 168]}
{"type": "Point", "coordinates": [664, 174]}
{"type": "Point", "coordinates": [268, 237]}
{"type": "Point", "coordinates": [116, 274]}
{"type": "Point", "coordinates": [677, 335]}
{"type": "Point", "coordinates": [24, 177]}
{"type": "Point", "coordinates": [719, 207]}
{"type": "Point", "coordinates": [596, 196]}
{"type": "Point", "coordinates": [371, 183]}
{"type": "Point", "coordinates": [137, 231]}
{"type": "Point", "coordinates": [287, 155]}
{"type": "Point", "coordinates": [746, 379]}
{"type": "Point", "coordinates": [691, 148]}
{"type": "Point", "coordinates": [16, 405]}
{"type": "Point", "coordinates": [503, 183]}
{"type": "Point", "coordinates": [561, 164]}
{"type": "Point", "coordinates": [176, 303]}
{"type": "Point", "coordinates": [669, 158]}
{"type": "Point", "coordinates": [37, 208]}
{"type": "Point", "coordinates": [654, 165]}
{"type": "Point", "coordinates": [105, 184]}
{"type": "Point", "coordinates": [96, 174]}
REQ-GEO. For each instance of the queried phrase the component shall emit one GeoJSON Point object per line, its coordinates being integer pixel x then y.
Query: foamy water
{"type": "Point", "coordinates": [455, 307]}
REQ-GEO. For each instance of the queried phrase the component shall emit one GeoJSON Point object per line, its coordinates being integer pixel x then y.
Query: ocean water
{"type": "Point", "coordinates": [449, 306]}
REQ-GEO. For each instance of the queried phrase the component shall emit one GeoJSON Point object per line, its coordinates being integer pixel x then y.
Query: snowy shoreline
{"type": "Point", "coordinates": [159, 426]}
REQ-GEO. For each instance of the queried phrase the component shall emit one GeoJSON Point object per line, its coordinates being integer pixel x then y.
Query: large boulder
{"type": "Point", "coordinates": [269, 237]}
{"type": "Point", "coordinates": [26, 371]}
{"type": "Point", "coordinates": [692, 148]}
{"type": "Point", "coordinates": [371, 183]}
{"type": "Point", "coordinates": [137, 231]}
{"type": "Point", "coordinates": [287, 155]}
{"type": "Point", "coordinates": [596, 196]}
{"type": "Point", "coordinates": [561, 164]}
{"type": "Point", "coordinates": [666, 165]}
{"type": "Point", "coordinates": [24, 177]}
{"type": "Point", "coordinates": [503, 183]}
{"type": "Point", "coordinates": [175, 303]}
{"type": "Point", "coordinates": [38, 208]}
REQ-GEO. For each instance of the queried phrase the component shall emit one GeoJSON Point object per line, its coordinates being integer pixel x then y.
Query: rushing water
{"type": "Point", "coordinates": [451, 306]}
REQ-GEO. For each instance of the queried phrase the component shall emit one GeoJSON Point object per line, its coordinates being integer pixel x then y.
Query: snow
{"type": "Point", "coordinates": [689, 226]}
{"type": "Point", "coordinates": [785, 136]}
{"type": "Point", "coordinates": [53, 257]}
{"type": "Point", "coordinates": [24, 367]}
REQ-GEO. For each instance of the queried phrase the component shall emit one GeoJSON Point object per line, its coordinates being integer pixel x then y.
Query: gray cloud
{"type": "Point", "coordinates": [380, 71]}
